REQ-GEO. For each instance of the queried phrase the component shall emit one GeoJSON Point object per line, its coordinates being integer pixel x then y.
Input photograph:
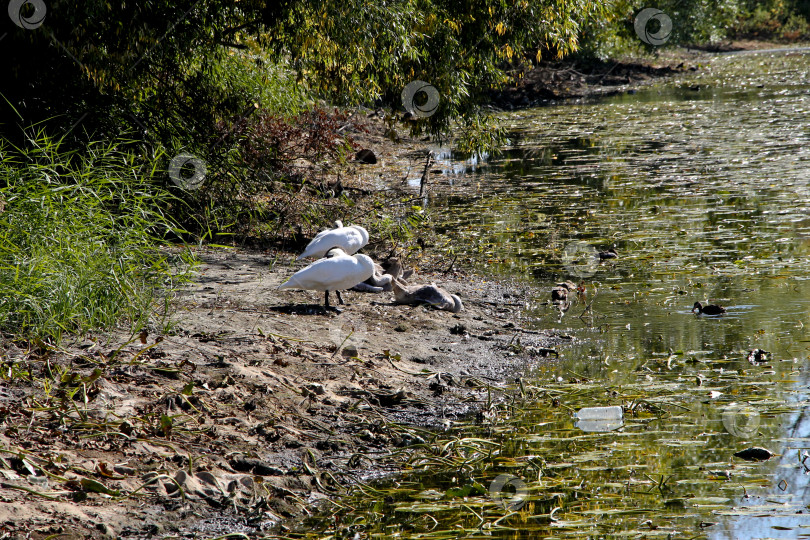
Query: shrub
{"type": "Point", "coordinates": [774, 19]}
{"type": "Point", "coordinates": [271, 172]}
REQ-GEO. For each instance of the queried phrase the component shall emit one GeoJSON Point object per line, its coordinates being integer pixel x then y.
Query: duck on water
{"type": "Point", "coordinates": [710, 309]}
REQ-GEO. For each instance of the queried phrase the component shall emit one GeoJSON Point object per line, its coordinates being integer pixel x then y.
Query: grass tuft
{"type": "Point", "coordinates": [79, 239]}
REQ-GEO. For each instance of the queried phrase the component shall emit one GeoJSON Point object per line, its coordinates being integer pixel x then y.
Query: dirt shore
{"type": "Point", "coordinates": [254, 406]}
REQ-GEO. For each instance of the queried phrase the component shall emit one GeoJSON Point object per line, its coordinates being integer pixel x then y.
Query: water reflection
{"type": "Point", "coordinates": [702, 185]}
{"type": "Point", "coordinates": [704, 189]}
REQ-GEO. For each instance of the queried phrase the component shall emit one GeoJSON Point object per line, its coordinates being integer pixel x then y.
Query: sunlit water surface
{"type": "Point", "coordinates": [702, 183]}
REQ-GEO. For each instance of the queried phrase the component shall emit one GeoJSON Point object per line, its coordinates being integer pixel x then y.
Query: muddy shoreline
{"type": "Point", "coordinates": [253, 407]}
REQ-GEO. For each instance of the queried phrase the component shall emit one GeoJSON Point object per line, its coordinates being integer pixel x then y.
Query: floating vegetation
{"type": "Point", "coordinates": [528, 470]}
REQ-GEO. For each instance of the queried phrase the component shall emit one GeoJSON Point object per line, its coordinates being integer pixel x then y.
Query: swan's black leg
{"type": "Point", "coordinates": [340, 299]}
{"type": "Point", "coordinates": [326, 303]}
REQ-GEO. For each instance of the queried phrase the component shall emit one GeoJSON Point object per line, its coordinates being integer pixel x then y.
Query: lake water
{"type": "Point", "coordinates": [702, 184]}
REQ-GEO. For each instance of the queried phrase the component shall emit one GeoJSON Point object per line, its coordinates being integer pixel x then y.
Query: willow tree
{"type": "Point", "coordinates": [152, 65]}
{"type": "Point", "coordinates": [365, 51]}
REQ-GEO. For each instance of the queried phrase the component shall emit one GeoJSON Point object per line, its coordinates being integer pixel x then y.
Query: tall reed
{"type": "Point", "coordinates": [81, 238]}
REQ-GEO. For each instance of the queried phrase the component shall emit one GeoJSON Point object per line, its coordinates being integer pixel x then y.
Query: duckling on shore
{"type": "Point", "coordinates": [393, 266]}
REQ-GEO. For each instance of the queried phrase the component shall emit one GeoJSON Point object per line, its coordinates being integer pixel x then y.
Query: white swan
{"type": "Point", "coordinates": [426, 294]}
{"type": "Point", "coordinates": [336, 272]}
{"type": "Point", "coordinates": [350, 239]}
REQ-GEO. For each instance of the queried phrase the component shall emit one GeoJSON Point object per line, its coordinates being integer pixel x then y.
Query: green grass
{"type": "Point", "coordinates": [79, 239]}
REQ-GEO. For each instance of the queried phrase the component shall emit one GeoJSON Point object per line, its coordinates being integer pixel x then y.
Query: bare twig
{"type": "Point", "coordinates": [425, 173]}
{"type": "Point", "coordinates": [449, 268]}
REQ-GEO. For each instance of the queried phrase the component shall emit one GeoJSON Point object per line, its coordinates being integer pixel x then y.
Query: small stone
{"type": "Point", "coordinates": [366, 156]}
{"type": "Point", "coordinates": [124, 470]}
{"type": "Point", "coordinates": [106, 530]}
{"type": "Point", "coordinates": [255, 466]}
{"type": "Point", "coordinates": [289, 442]}
{"type": "Point", "coordinates": [315, 388]}
{"type": "Point", "coordinates": [458, 330]}
{"type": "Point", "coordinates": [153, 529]}
{"type": "Point", "coordinates": [263, 469]}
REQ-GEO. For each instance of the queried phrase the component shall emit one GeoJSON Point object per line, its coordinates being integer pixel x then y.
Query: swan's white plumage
{"type": "Point", "coordinates": [337, 272]}
{"type": "Point", "coordinates": [350, 239]}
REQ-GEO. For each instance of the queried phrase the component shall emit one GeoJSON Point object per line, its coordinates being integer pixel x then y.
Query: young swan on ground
{"type": "Point", "coordinates": [392, 266]}
{"type": "Point", "coordinates": [384, 274]}
{"type": "Point", "coordinates": [377, 283]}
{"type": "Point", "coordinates": [336, 272]}
{"type": "Point", "coordinates": [426, 294]}
{"type": "Point", "coordinates": [350, 239]}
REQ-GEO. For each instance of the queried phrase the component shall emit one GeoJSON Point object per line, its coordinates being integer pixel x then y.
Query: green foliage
{"type": "Point", "coordinates": [361, 51]}
{"type": "Point", "coordinates": [478, 133]}
{"type": "Point", "coordinates": [166, 70]}
{"type": "Point", "coordinates": [693, 22]}
{"type": "Point", "coordinates": [700, 21]}
{"type": "Point", "coordinates": [174, 70]}
{"type": "Point", "coordinates": [784, 20]}
{"type": "Point", "coordinates": [78, 239]}
{"type": "Point", "coordinates": [697, 22]}
{"type": "Point", "coordinates": [255, 78]}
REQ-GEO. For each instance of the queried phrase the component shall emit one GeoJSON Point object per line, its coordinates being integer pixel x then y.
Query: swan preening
{"type": "Point", "coordinates": [339, 269]}
{"type": "Point", "coordinates": [335, 272]}
{"type": "Point", "coordinates": [350, 239]}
